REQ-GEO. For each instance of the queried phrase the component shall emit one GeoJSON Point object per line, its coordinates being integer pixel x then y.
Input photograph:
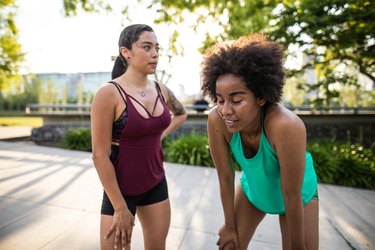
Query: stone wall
{"type": "Point", "coordinates": [353, 128]}
{"type": "Point", "coordinates": [363, 133]}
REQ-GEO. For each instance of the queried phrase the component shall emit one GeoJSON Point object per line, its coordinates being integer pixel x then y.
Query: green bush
{"type": "Point", "coordinates": [338, 163]}
{"type": "Point", "coordinates": [345, 164]}
{"type": "Point", "coordinates": [189, 149]}
{"type": "Point", "coordinates": [77, 139]}
{"type": "Point", "coordinates": [166, 142]}
{"type": "Point", "coordinates": [326, 166]}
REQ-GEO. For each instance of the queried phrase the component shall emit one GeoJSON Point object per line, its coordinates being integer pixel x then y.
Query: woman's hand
{"type": "Point", "coordinates": [227, 238]}
{"type": "Point", "coordinates": [122, 226]}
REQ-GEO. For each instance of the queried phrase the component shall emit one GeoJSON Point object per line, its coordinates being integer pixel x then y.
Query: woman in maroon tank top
{"type": "Point", "coordinates": [129, 117]}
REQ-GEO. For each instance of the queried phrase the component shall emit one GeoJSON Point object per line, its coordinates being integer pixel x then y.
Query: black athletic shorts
{"type": "Point", "coordinates": [155, 195]}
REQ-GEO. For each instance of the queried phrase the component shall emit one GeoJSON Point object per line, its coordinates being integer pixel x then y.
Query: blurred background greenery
{"type": "Point", "coordinates": [332, 41]}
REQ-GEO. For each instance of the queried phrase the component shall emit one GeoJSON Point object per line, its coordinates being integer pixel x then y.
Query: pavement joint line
{"type": "Point", "coordinates": [334, 225]}
{"type": "Point", "coordinates": [21, 217]}
{"type": "Point", "coordinates": [340, 231]}
{"type": "Point", "coordinates": [362, 220]}
{"type": "Point", "coordinates": [48, 204]}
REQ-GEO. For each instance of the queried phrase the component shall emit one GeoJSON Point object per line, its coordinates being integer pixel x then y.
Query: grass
{"type": "Point", "coordinates": [34, 122]}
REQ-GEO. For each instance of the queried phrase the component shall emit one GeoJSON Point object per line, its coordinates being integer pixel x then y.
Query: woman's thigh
{"type": "Point", "coordinates": [311, 226]}
{"type": "Point", "coordinates": [105, 225]}
{"type": "Point", "coordinates": [247, 216]}
{"type": "Point", "coordinates": [155, 221]}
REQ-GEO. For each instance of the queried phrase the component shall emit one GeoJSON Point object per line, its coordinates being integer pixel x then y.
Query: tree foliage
{"type": "Point", "coordinates": [71, 7]}
{"type": "Point", "coordinates": [333, 34]}
{"type": "Point", "coordinates": [330, 29]}
{"type": "Point", "coordinates": [10, 49]}
{"type": "Point", "coordinates": [337, 37]}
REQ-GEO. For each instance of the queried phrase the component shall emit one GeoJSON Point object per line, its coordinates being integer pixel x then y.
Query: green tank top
{"type": "Point", "coordinates": [260, 179]}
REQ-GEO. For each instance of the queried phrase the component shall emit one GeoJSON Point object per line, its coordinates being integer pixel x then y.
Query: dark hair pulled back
{"type": "Point", "coordinates": [128, 36]}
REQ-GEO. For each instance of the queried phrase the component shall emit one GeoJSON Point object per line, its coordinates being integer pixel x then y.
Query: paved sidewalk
{"type": "Point", "coordinates": [50, 199]}
{"type": "Point", "coordinates": [14, 132]}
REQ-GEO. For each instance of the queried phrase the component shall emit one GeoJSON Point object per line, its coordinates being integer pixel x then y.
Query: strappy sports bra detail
{"type": "Point", "coordinates": [119, 125]}
{"type": "Point", "coordinates": [123, 92]}
{"type": "Point", "coordinates": [120, 122]}
{"type": "Point", "coordinates": [153, 110]}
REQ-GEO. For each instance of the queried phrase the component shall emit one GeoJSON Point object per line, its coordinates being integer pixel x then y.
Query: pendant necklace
{"type": "Point", "coordinates": [141, 92]}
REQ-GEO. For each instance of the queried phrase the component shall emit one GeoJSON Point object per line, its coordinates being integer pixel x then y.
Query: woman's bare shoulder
{"type": "Point", "coordinates": [106, 89]}
{"type": "Point", "coordinates": [107, 92]}
{"type": "Point", "coordinates": [282, 123]}
{"type": "Point", "coordinates": [278, 115]}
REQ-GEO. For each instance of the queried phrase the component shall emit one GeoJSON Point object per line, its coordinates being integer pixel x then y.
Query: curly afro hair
{"type": "Point", "coordinates": [254, 58]}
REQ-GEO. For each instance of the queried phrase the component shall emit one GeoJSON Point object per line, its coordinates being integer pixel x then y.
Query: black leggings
{"type": "Point", "coordinates": [156, 194]}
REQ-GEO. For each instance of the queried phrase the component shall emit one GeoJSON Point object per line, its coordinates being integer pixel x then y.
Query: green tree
{"type": "Point", "coordinates": [330, 31]}
{"type": "Point", "coordinates": [10, 49]}
{"type": "Point", "coordinates": [233, 18]}
{"type": "Point", "coordinates": [336, 36]}
{"type": "Point", "coordinates": [71, 7]}
{"type": "Point", "coordinates": [293, 93]}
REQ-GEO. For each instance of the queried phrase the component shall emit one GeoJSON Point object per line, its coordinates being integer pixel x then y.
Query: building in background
{"type": "Point", "coordinates": [90, 81]}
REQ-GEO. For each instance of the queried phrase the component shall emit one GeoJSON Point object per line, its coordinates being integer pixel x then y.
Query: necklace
{"type": "Point", "coordinates": [140, 91]}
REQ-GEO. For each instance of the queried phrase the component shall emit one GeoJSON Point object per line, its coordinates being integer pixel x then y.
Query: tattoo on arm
{"type": "Point", "coordinates": [176, 107]}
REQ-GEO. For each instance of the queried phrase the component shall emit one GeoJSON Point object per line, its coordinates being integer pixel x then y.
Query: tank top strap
{"type": "Point", "coordinates": [156, 102]}
{"type": "Point", "coordinates": [120, 90]}
{"type": "Point", "coordinates": [159, 90]}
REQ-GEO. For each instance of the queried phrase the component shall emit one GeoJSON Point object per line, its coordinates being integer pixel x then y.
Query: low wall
{"type": "Point", "coordinates": [354, 125]}
{"type": "Point", "coordinates": [353, 128]}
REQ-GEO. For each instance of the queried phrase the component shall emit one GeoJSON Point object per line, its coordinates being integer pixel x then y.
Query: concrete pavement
{"type": "Point", "coordinates": [14, 132]}
{"type": "Point", "coordinates": [50, 199]}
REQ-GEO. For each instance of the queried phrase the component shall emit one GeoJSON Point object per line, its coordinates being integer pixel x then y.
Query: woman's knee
{"type": "Point", "coordinates": [105, 226]}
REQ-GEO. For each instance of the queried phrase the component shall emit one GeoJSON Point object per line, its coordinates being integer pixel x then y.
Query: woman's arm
{"type": "Point", "coordinates": [217, 133]}
{"type": "Point", "coordinates": [178, 111]}
{"type": "Point", "coordinates": [102, 115]}
{"type": "Point", "coordinates": [289, 139]}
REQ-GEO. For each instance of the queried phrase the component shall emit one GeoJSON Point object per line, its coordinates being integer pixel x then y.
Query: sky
{"type": "Point", "coordinates": [85, 43]}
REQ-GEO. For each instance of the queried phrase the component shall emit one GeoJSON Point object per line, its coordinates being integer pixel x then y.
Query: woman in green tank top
{"type": "Point", "coordinates": [245, 78]}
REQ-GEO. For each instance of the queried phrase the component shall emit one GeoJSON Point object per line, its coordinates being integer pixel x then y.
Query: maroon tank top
{"type": "Point", "coordinates": [139, 163]}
